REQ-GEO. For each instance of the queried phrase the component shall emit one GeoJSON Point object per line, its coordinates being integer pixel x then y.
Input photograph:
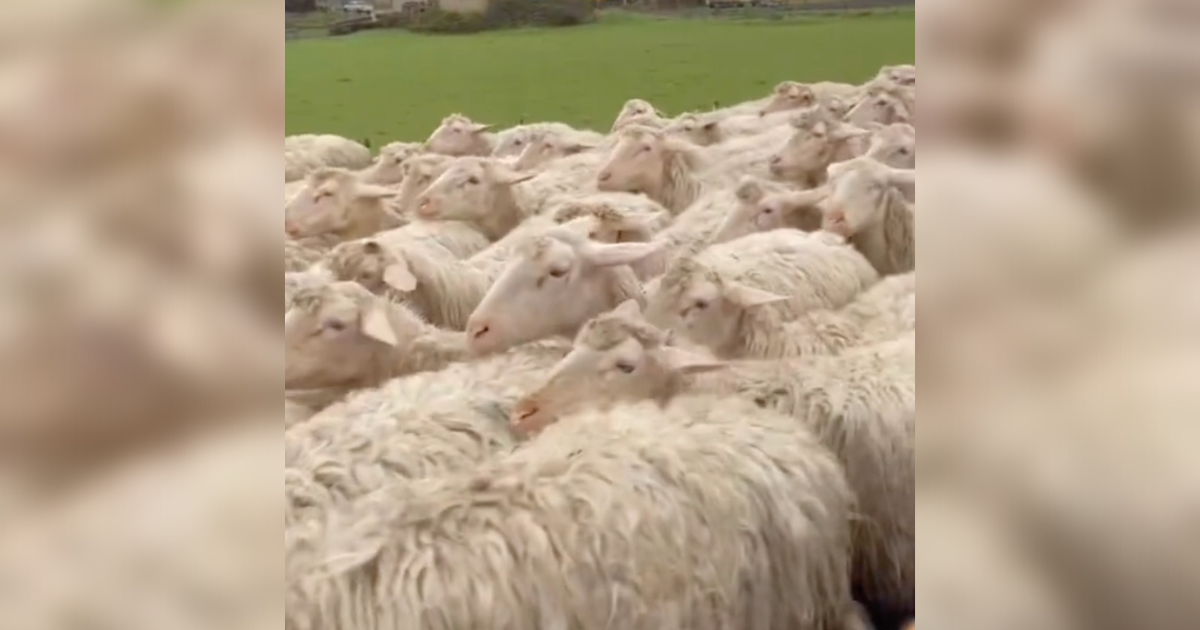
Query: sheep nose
{"type": "Point", "coordinates": [425, 207]}
{"type": "Point", "coordinates": [524, 409]}
{"type": "Point", "coordinates": [476, 330]}
{"type": "Point", "coordinates": [291, 229]}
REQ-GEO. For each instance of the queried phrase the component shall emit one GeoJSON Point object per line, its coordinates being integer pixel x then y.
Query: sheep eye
{"type": "Point", "coordinates": [517, 143]}
{"type": "Point", "coordinates": [558, 273]}
{"type": "Point", "coordinates": [701, 304]}
{"type": "Point", "coordinates": [472, 180]}
{"type": "Point", "coordinates": [903, 150]}
{"type": "Point", "coordinates": [768, 210]}
{"type": "Point", "coordinates": [333, 325]}
{"type": "Point", "coordinates": [625, 366]}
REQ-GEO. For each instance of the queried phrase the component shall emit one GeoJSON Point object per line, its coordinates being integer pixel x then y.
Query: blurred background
{"type": "Point", "coordinates": [140, 354]}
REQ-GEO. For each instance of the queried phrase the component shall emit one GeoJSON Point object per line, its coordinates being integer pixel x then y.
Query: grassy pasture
{"type": "Point", "coordinates": [395, 85]}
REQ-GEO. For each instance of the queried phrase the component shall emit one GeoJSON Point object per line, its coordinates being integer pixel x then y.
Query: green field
{"type": "Point", "coordinates": [394, 85]}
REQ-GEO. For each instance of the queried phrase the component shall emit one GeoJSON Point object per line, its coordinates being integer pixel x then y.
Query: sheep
{"type": "Point", "coordinates": [648, 161]}
{"type": "Point", "coordinates": [814, 271]}
{"type": "Point", "coordinates": [620, 217]}
{"type": "Point", "coordinates": [304, 154]}
{"type": "Point", "coordinates": [705, 514]}
{"type": "Point", "coordinates": [894, 145]}
{"type": "Point", "coordinates": [337, 203]}
{"type": "Point", "coordinates": [554, 283]}
{"type": "Point", "coordinates": [880, 107]}
{"type": "Point", "coordinates": [815, 144]}
{"type": "Point", "coordinates": [709, 129]}
{"type": "Point", "coordinates": [790, 95]}
{"type": "Point", "coordinates": [880, 313]}
{"type": "Point", "coordinates": [439, 286]}
{"type": "Point", "coordinates": [459, 136]}
{"type": "Point", "coordinates": [764, 206]}
{"type": "Point", "coordinates": [339, 334]}
{"type": "Point", "coordinates": [478, 192]}
{"type": "Point", "coordinates": [388, 169]}
{"type": "Point", "coordinates": [903, 74]}
{"type": "Point", "coordinates": [418, 173]}
{"type": "Point", "coordinates": [552, 147]}
{"type": "Point", "coordinates": [866, 208]}
{"type": "Point", "coordinates": [860, 404]}
{"type": "Point", "coordinates": [516, 140]}
{"type": "Point", "coordinates": [636, 111]}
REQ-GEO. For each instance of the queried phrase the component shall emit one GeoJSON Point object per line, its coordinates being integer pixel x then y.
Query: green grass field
{"type": "Point", "coordinates": [394, 85]}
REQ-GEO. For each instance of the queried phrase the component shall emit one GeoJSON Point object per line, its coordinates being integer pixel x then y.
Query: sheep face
{"type": "Point", "coordinates": [882, 108]}
{"type": "Point", "coordinates": [762, 211]}
{"type": "Point", "coordinates": [603, 224]}
{"type": "Point", "coordinates": [900, 75]}
{"type": "Point", "coordinates": [696, 129]}
{"type": "Point", "coordinates": [515, 141]}
{"type": "Point", "coordinates": [457, 136]}
{"type": "Point", "coordinates": [466, 190]}
{"type": "Point", "coordinates": [696, 303]}
{"type": "Point", "coordinates": [371, 264]}
{"type": "Point", "coordinates": [546, 149]}
{"type": "Point", "coordinates": [634, 109]}
{"type": "Point", "coordinates": [326, 203]}
{"type": "Point", "coordinates": [789, 95]}
{"type": "Point", "coordinates": [389, 166]}
{"type": "Point", "coordinates": [419, 173]}
{"type": "Point", "coordinates": [553, 285]}
{"type": "Point", "coordinates": [332, 334]}
{"type": "Point", "coordinates": [859, 191]}
{"type": "Point", "coordinates": [894, 145]}
{"type": "Point", "coordinates": [811, 149]}
{"type": "Point", "coordinates": [637, 164]}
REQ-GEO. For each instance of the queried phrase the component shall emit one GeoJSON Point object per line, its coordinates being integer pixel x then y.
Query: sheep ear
{"type": "Point", "coordinates": [902, 176]}
{"type": "Point", "coordinates": [749, 297]}
{"type": "Point", "coordinates": [399, 277]}
{"type": "Point", "coordinates": [371, 191]}
{"type": "Point", "coordinates": [847, 132]}
{"type": "Point", "coordinates": [479, 127]}
{"type": "Point", "coordinates": [749, 190]}
{"type": "Point", "coordinates": [689, 362]}
{"type": "Point", "coordinates": [628, 308]}
{"type": "Point", "coordinates": [577, 147]}
{"type": "Point", "coordinates": [504, 174]}
{"type": "Point", "coordinates": [614, 254]}
{"type": "Point", "coordinates": [376, 325]}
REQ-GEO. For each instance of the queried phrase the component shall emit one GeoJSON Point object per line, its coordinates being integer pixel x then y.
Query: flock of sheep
{"type": "Point", "coordinates": [661, 378]}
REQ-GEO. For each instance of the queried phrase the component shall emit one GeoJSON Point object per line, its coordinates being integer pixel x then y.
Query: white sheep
{"type": "Point", "coordinates": [894, 145]}
{"type": "Point", "coordinates": [879, 106]}
{"type": "Point", "coordinates": [763, 206]}
{"type": "Point", "coordinates": [553, 284]}
{"type": "Point", "coordinates": [516, 140]}
{"type": "Point", "coordinates": [861, 404]}
{"type": "Point", "coordinates": [636, 111]}
{"type": "Point", "coordinates": [458, 136]}
{"type": "Point", "coordinates": [441, 287]}
{"type": "Point", "coordinates": [706, 514]}
{"type": "Point", "coordinates": [816, 143]}
{"type": "Point", "coordinates": [814, 271]}
{"type": "Point", "coordinates": [338, 334]}
{"type": "Point", "coordinates": [418, 173]}
{"type": "Point", "coordinates": [865, 206]}
{"type": "Point", "coordinates": [666, 169]}
{"type": "Point", "coordinates": [304, 154]}
{"type": "Point", "coordinates": [478, 192]}
{"type": "Point", "coordinates": [790, 95]}
{"type": "Point", "coordinates": [335, 202]}
{"type": "Point", "coordinates": [388, 169]}
{"type": "Point", "coordinates": [880, 313]}
{"type": "Point", "coordinates": [552, 147]}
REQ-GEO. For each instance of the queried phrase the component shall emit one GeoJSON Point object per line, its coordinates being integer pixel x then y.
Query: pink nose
{"type": "Point", "coordinates": [521, 415]}
{"type": "Point", "coordinates": [291, 229]}
{"type": "Point", "coordinates": [477, 330]}
{"type": "Point", "coordinates": [425, 207]}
